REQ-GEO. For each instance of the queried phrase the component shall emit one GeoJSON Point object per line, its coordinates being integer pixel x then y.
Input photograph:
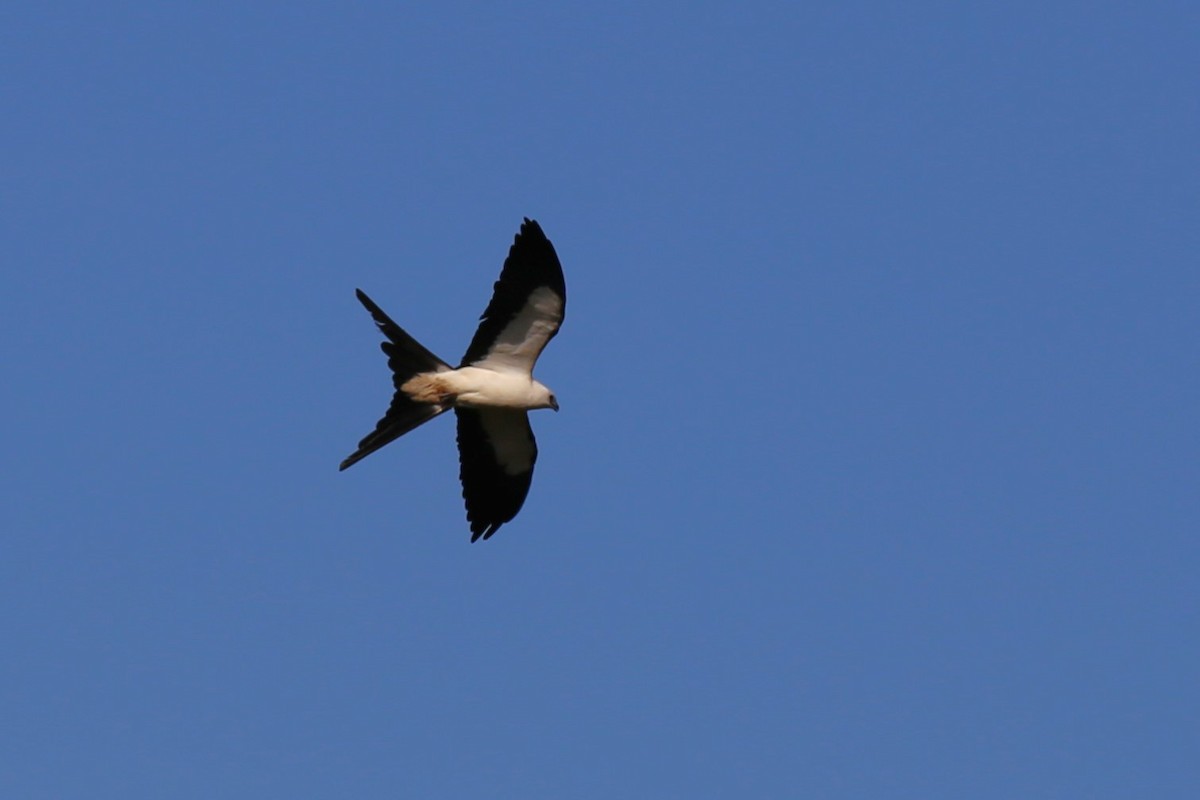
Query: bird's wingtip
{"type": "Point", "coordinates": [483, 530]}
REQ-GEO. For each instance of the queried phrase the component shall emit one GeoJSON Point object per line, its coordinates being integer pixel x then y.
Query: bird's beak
{"type": "Point", "coordinates": [554, 404]}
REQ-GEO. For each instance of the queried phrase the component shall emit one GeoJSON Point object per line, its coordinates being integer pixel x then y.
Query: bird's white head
{"type": "Point", "coordinates": [544, 397]}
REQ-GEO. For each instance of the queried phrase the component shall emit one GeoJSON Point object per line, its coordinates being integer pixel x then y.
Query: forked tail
{"type": "Point", "coordinates": [407, 357]}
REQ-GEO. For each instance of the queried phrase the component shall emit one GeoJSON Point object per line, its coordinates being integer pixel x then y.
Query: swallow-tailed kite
{"type": "Point", "coordinates": [492, 388]}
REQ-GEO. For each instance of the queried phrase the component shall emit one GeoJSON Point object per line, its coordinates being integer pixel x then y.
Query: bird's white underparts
{"type": "Point", "coordinates": [491, 390]}
{"type": "Point", "coordinates": [479, 387]}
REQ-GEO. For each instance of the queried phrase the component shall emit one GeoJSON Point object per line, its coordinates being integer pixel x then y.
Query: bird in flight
{"type": "Point", "coordinates": [490, 391]}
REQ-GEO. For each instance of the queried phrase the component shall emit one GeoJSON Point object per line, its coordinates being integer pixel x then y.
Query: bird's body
{"type": "Point", "coordinates": [479, 387]}
{"type": "Point", "coordinates": [491, 390]}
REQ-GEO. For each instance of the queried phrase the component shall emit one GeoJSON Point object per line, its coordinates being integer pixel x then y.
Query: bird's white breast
{"type": "Point", "coordinates": [484, 388]}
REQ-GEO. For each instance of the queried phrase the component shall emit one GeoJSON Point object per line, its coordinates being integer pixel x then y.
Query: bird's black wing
{"type": "Point", "coordinates": [496, 453]}
{"type": "Point", "coordinates": [527, 306]}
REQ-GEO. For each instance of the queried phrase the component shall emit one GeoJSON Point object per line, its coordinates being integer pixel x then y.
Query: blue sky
{"type": "Point", "coordinates": [876, 472]}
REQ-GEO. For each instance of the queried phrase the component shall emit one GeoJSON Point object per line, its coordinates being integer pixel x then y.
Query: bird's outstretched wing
{"type": "Point", "coordinates": [496, 454]}
{"type": "Point", "coordinates": [527, 306]}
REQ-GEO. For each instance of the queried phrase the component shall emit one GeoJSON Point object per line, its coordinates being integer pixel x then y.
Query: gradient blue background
{"type": "Point", "coordinates": [877, 469]}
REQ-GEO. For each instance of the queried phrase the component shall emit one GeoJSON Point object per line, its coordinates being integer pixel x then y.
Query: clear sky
{"type": "Point", "coordinates": [876, 471]}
